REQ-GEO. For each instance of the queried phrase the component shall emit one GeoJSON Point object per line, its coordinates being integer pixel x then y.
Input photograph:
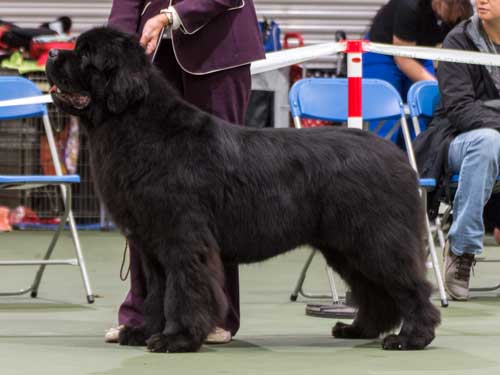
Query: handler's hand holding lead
{"type": "Point", "coordinates": [151, 32]}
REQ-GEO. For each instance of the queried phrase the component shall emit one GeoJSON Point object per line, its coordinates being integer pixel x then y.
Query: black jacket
{"type": "Point", "coordinates": [464, 89]}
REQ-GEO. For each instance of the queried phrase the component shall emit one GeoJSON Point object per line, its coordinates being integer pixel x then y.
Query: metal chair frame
{"type": "Point", "coordinates": [12, 88]}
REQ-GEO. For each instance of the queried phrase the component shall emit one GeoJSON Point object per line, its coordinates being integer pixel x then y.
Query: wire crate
{"type": "Point", "coordinates": [24, 150]}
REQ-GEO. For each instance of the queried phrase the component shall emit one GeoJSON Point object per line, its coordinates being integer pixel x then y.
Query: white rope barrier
{"type": "Point", "coordinates": [280, 59]}
{"type": "Point", "coordinates": [438, 54]}
{"type": "Point", "coordinates": [273, 61]}
{"type": "Point", "coordinates": [42, 99]}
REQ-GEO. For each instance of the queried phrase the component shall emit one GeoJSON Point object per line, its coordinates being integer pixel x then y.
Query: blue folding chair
{"type": "Point", "coordinates": [18, 87]}
{"type": "Point", "coordinates": [327, 99]}
{"type": "Point", "coordinates": [423, 98]}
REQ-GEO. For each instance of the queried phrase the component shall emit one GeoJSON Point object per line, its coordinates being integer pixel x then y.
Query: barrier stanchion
{"type": "Point", "coordinates": [354, 50]}
{"type": "Point", "coordinates": [342, 308]}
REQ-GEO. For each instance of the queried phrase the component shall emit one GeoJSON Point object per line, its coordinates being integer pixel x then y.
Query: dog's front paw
{"type": "Point", "coordinates": [158, 343]}
{"type": "Point", "coordinates": [399, 342]}
{"type": "Point", "coordinates": [132, 336]}
{"type": "Point", "coordinates": [177, 343]}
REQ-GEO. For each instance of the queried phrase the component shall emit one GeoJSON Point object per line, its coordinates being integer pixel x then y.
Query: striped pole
{"type": "Point", "coordinates": [354, 50]}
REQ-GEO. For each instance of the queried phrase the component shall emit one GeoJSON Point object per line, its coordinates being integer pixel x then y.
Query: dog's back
{"type": "Point", "coordinates": [286, 187]}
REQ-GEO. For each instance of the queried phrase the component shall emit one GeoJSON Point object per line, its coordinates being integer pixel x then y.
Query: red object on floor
{"type": "Point", "coordinates": [496, 234]}
{"type": "Point", "coordinates": [4, 219]}
{"type": "Point", "coordinates": [23, 215]}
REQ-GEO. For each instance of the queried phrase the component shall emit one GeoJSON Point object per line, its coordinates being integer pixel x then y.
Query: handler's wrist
{"type": "Point", "coordinates": [168, 17]}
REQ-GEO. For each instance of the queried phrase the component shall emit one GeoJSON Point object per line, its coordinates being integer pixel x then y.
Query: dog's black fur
{"type": "Point", "coordinates": [191, 190]}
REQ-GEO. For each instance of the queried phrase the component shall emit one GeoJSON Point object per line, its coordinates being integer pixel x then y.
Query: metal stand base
{"type": "Point", "coordinates": [337, 310]}
{"type": "Point", "coordinates": [342, 309]}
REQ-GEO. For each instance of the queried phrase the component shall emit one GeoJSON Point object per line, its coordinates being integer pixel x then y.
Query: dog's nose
{"type": "Point", "coordinates": [53, 53]}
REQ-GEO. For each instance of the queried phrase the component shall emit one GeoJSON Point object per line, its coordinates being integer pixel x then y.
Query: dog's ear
{"type": "Point", "coordinates": [127, 68]}
{"type": "Point", "coordinates": [125, 89]}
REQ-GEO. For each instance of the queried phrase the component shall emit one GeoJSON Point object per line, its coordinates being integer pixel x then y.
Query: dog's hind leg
{"type": "Point", "coordinates": [420, 317]}
{"type": "Point", "coordinates": [400, 270]}
{"type": "Point", "coordinates": [381, 311]}
{"type": "Point", "coordinates": [397, 292]}
{"type": "Point", "coordinates": [386, 297]}
{"type": "Point", "coordinates": [194, 301]}
{"type": "Point", "coordinates": [377, 312]}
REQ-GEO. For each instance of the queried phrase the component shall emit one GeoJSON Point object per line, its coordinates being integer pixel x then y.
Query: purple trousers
{"type": "Point", "coordinates": [225, 94]}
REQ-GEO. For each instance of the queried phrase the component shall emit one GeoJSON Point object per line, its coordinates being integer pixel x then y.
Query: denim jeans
{"type": "Point", "coordinates": [475, 155]}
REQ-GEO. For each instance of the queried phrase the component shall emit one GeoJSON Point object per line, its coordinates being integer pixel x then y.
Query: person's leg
{"type": "Point", "coordinates": [475, 155]}
{"type": "Point", "coordinates": [224, 94]}
{"type": "Point", "coordinates": [131, 311]}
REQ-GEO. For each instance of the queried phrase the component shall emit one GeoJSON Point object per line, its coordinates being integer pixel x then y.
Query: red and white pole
{"type": "Point", "coordinates": [354, 50]}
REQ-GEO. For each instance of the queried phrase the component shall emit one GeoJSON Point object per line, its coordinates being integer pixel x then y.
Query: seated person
{"type": "Point", "coordinates": [464, 138]}
{"type": "Point", "coordinates": [411, 23]}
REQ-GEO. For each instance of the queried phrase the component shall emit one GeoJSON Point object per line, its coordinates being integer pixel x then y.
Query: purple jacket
{"type": "Point", "coordinates": [214, 34]}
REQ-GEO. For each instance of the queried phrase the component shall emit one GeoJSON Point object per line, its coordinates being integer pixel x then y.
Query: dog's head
{"type": "Point", "coordinates": [106, 72]}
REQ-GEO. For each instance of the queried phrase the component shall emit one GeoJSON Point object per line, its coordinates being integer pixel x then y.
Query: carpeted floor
{"type": "Point", "coordinates": [59, 333]}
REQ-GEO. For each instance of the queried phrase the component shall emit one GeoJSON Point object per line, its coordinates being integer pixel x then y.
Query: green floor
{"type": "Point", "coordinates": [59, 333]}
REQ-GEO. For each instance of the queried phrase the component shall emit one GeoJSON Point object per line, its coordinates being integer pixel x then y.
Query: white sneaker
{"type": "Point", "coordinates": [218, 336]}
{"type": "Point", "coordinates": [112, 334]}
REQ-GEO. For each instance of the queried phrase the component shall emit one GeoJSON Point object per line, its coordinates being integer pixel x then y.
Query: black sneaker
{"type": "Point", "coordinates": [457, 273]}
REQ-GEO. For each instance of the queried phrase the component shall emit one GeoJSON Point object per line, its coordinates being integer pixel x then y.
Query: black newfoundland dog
{"type": "Point", "coordinates": [193, 191]}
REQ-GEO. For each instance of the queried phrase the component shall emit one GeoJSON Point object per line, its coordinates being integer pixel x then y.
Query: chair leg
{"type": "Point", "coordinates": [81, 261]}
{"type": "Point", "coordinates": [300, 282]}
{"type": "Point", "coordinates": [440, 233]}
{"type": "Point", "coordinates": [68, 216]}
{"type": "Point", "coordinates": [432, 248]}
{"type": "Point", "coordinates": [435, 263]}
{"type": "Point", "coordinates": [67, 194]}
{"type": "Point", "coordinates": [333, 288]}
{"type": "Point", "coordinates": [50, 249]}
{"type": "Point", "coordinates": [302, 277]}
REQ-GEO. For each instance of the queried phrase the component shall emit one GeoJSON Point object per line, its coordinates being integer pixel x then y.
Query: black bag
{"type": "Point", "coordinates": [491, 213]}
{"type": "Point", "coordinates": [260, 112]}
{"type": "Point", "coordinates": [18, 37]}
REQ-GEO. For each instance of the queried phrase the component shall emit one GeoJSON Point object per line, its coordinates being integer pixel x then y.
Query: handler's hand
{"type": "Point", "coordinates": [151, 32]}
